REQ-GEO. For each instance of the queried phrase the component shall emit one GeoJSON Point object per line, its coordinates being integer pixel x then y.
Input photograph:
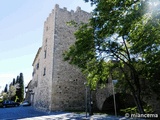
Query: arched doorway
{"type": "Point", "coordinates": [122, 101]}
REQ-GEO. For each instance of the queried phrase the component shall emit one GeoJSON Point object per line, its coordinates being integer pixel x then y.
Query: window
{"type": "Point", "coordinates": [45, 54]}
{"type": "Point", "coordinates": [47, 28]}
{"type": "Point", "coordinates": [33, 73]}
{"type": "Point", "coordinates": [37, 66]}
{"type": "Point", "coordinates": [46, 41]}
{"type": "Point", "coordinates": [44, 72]}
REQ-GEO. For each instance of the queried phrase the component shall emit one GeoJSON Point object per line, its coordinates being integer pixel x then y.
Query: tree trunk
{"type": "Point", "coordinates": [135, 87]}
{"type": "Point", "coordinates": [138, 103]}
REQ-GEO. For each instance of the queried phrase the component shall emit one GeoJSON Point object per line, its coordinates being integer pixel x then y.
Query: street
{"type": "Point", "coordinates": [29, 113]}
{"type": "Point", "coordinates": [19, 112]}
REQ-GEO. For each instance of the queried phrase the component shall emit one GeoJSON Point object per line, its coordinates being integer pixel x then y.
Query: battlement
{"type": "Point", "coordinates": [71, 12]}
{"type": "Point", "coordinates": [65, 9]}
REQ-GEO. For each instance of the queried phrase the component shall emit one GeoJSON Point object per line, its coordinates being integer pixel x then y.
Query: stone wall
{"type": "Point", "coordinates": [68, 82]}
{"type": "Point", "coordinates": [58, 85]}
{"type": "Point", "coordinates": [43, 76]}
{"type": "Point", "coordinates": [102, 94]}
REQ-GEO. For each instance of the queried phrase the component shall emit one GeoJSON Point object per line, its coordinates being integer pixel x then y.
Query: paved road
{"type": "Point", "coordinates": [29, 113]}
{"type": "Point", "coordinates": [19, 112]}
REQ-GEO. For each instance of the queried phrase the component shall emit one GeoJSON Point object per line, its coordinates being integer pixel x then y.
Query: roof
{"type": "Point", "coordinates": [39, 50]}
{"type": "Point", "coordinates": [28, 84]}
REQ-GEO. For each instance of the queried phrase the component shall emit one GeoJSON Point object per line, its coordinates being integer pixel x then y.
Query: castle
{"type": "Point", "coordinates": [57, 85]}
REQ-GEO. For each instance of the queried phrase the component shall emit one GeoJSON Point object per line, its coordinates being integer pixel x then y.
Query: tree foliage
{"type": "Point", "coordinates": [124, 31]}
{"type": "Point", "coordinates": [21, 90]}
{"type": "Point", "coordinates": [20, 87]}
{"type": "Point", "coordinates": [6, 88]}
{"type": "Point", "coordinates": [16, 89]}
{"type": "Point", "coordinates": [14, 81]}
{"type": "Point", "coordinates": [12, 91]}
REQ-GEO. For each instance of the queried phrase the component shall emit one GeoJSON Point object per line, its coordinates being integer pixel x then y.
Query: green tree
{"type": "Point", "coordinates": [5, 95]}
{"type": "Point", "coordinates": [20, 89]}
{"type": "Point", "coordinates": [11, 92]}
{"type": "Point", "coordinates": [14, 81]}
{"type": "Point", "coordinates": [6, 88]}
{"type": "Point", "coordinates": [120, 31]}
{"type": "Point", "coordinates": [17, 80]}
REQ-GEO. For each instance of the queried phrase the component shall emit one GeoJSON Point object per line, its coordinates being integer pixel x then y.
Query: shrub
{"type": "Point", "coordinates": [134, 110]}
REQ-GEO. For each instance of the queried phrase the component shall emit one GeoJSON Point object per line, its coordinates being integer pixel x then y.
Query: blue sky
{"type": "Point", "coordinates": [21, 31]}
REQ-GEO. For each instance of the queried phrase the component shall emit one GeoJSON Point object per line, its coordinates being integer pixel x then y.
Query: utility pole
{"type": "Point", "coordinates": [90, 100]}
{"type": "Point", "coordinates": [86, 98]}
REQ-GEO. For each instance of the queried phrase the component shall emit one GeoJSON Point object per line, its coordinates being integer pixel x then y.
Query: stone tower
{"type": "Point", "coordinates": [56, 84]}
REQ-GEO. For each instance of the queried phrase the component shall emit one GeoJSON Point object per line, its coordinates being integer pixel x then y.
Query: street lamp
{"type": "Point", "coordinates": [113, 83]}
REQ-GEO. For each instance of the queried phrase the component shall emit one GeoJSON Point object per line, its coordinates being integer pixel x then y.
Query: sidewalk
{"type": "Point", "coordinates": [73, 116]}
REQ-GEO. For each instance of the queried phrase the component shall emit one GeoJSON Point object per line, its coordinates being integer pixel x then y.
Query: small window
{"type": "Point", "coordinates": [47, 28]}
{"type": "Point", "coordinates": [44, 72]}
{"type": "Point", "coordinates": [37, 66]}
{"type": "Point", "coordinates": [46, 43]}
{"type": "Point", "coordinates": [33, 73]}
{"type": "Point", "coordinates": [45, 54]}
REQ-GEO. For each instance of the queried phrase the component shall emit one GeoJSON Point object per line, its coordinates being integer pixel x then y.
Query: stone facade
{"type": "Point", "coordinates": [28, 92]}
{"type": "Point", "coordinates": [57, 84]}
